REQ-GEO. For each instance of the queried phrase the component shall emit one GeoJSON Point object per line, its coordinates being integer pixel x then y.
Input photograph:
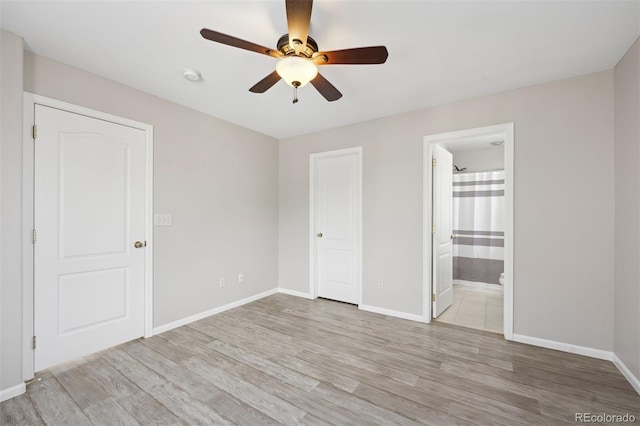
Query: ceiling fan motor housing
{"type": "Point", "coordinates": [287, 50]}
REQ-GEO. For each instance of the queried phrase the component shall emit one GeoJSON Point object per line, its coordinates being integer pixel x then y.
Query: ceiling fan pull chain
{"type": "Point", "coordinates": [295, 94]}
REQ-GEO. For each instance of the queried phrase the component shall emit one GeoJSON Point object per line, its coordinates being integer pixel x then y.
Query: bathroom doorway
{"type": "Point", "coordinates": [469, 202]}
{"type": "Point", "coordinates": [478, 238]}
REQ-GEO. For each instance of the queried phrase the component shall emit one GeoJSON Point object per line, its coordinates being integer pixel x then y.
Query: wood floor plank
{"type": "Point", "coordinates": [324, 338]}
{"type": "Point", "coordinates": [94, 382]}
{"type": "Point", "coordinates": [479, 416]}
{"type": "Point", "coordinates": [364, 410]}
{"type": "Point", "coordinates": [406, 407]}
{"type": "Point", "coordinates": [287, 360]}
{"type": "Point", "coordinates": [312, 404]}
{"type": "Point", "coordinates": [274, 407]}
{"type": "Point", "coordinates": [54, 405]}
{"type": "Point", "coordinates": [147, 410]}
{"type": "Point", "coordinates": [435, 402]}
{"type": "Point", "coordinates": [109, 412]}
{"type": "Point", "coordinates": [240, 413]}
{"type": "Point", "coordinates": [175, 399]}
{"type": "Point", "coordinates": [197, 386]}
{"type": "Point", "coordinates": [271, 368]}
{"type": "Point", "coordinates": [323, 344]}
{"type": "Point", "coordinates": [340, 381]}
{"type": "Point", "coordinates": [19, 411]}
{"type": "Point", "coordinates": [539, 383]}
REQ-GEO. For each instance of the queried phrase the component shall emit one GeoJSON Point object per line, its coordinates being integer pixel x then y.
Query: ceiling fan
{"type": "Point", "coordinates": [299, 55]}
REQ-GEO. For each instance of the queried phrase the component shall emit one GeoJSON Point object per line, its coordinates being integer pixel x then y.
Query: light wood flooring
{"type": "Point", "coordinates": [289, 360]}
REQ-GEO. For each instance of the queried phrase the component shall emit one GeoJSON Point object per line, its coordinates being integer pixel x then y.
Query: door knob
{"type": "Point", "coordinates": [453, 236]}
{"type": "Point", "coordinates": [319, 234]}
{"type": "Point", "coordinates": [139, 244]}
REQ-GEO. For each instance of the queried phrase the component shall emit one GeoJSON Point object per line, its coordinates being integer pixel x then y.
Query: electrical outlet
{"type": "Point", "coordinates": [163, 219]}
{"type": "Point", "coordinates": [380, 283]}
{"type": "Point", "coordinates": [223, 282]}
{"type": "Point", "coordinates": [241, 277]}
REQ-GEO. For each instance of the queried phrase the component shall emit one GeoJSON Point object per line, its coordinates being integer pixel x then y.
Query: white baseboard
{"type": "Point", "coordinates": [368, 308]}
{"type": "Point", "coordinates": [391, 313]}
{"type": "Point", "coordinates": [635, 382]}
{"type": "Point", "coordinates": [564, 347]}
{"type": "Point", "coordinates": [12, 392]}
{"type": "Point", "coordinates": [294, 293]}
{"type": "Point", "coordinates": [201, 315]}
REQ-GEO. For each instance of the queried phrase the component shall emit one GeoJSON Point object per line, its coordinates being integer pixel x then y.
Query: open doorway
{"type": "Point", "coordinates": [478, 238]}
{"type": "Point", "coordinates": [469, 211]}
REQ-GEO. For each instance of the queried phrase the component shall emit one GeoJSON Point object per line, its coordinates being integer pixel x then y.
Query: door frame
{"type": "Point", "coordinates": [479, 135]}
{"type": "Point", "coordinates": [313, 276]}
{"type": "Point", "coordinates": [30, 100]}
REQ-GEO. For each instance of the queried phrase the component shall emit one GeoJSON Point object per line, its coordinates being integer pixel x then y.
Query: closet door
{"type": "Point", "coordinates": [90, 222]}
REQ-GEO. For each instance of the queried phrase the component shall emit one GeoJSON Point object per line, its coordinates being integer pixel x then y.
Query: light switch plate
{"type": "Point", "coordinates": [163, 219]}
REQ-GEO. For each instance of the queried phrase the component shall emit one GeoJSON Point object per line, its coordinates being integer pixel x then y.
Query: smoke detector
{"type": "Point", "coordinates": [192, 74]}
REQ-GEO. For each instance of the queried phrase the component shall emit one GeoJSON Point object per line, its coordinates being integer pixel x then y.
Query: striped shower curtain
{"type": "Point", "coordinates": [478, 218]}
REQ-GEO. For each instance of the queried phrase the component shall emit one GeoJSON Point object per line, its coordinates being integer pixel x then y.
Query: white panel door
{"type": "Point", "coordinates": [442, 249]}
{"type": "Point", "coordinates": [337, 225]}
{"type": "Point", "coordinates": [89, 212]}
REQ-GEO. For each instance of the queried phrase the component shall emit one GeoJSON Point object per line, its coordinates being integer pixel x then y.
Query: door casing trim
{"type": "Point", "coordinates": [313, 283]}
{"type": "Point", "coordinates": [504, 132]}
{"type": "Point", "coordinates": [28, 153]}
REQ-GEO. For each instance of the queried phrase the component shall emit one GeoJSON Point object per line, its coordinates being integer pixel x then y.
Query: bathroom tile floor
{"type": "Point", "coordinates": [481, 309]}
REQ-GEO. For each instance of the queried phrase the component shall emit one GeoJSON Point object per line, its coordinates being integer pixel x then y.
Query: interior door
{"type": "Point", "coordinates": [89, 213]}
{"type": "Point", "coordinates": [442, 238]}
{"type": "Point", "coordinates": [337, 225]}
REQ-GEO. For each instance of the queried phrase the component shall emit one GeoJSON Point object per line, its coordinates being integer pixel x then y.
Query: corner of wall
{"type": "Point", "coordinates": [11, 76]}
{"type": "Point", "coordinates": [631, 378]}
{"type": "Point", "coordinates": [626, 301]}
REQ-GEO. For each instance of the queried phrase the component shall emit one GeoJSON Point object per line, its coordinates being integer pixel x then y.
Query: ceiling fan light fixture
{"type": "Point", "coordinates": [296, 71]}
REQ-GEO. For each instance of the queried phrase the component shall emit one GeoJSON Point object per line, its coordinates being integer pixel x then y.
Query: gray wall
{"type": "Point", "coordinates": [563, 204]}
{"type": "Point", "coordinates": [479, 160]}
{"type": "Point", "coordinates": [219, 180]}
{"type": "Point", "coordinates": [627, 203]}
{"type": "Point", "coordinates": [11, 217]}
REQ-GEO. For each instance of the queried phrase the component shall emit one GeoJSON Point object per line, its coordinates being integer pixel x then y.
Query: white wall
{"type": "Point", "coordinates": [563, 233]}
{"type": "Point", "coordinates": [11, 58]}
{"type": "Point", "coordinates": [627, 203]}
{"type": "Point", "coordinates": [480, 160]}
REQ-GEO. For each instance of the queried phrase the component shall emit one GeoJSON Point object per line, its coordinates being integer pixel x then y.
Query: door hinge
{"type": "Point", "coordinates": [433, 229]}
{"type": "Point", "coordinates": [34, 342]}
{"type": "Point", "coordinates": [35, 131]}
{"type": "Point", "coordinates": [433, 297]}
{"type": "Point", "coordinates": [33, 236]}
{"type": "Point", "coordinates": [433, 161]}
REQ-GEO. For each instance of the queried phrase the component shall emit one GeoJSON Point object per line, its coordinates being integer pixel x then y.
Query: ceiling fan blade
{"type": "Point", "coordinates": [239, 43]}
{"type": "Point", "coordinates": [298, 20]}
{"type": "Point", "coordinates": [266, 83]}
{"type": "Point", "coordinates": [325, 88]}
{"type": "Point", "coordinates": [356, 56]}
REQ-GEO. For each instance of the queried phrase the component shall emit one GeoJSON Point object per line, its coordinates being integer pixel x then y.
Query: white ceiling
{"type": "Point", "coordinates": [439, 51]}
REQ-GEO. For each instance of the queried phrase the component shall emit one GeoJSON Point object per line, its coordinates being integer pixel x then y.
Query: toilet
{"type": "Point", "coordinates": [501, 279]}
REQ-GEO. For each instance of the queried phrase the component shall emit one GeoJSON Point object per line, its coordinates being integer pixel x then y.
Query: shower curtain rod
{"type": "Point", "coordinates": [479, 171]}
